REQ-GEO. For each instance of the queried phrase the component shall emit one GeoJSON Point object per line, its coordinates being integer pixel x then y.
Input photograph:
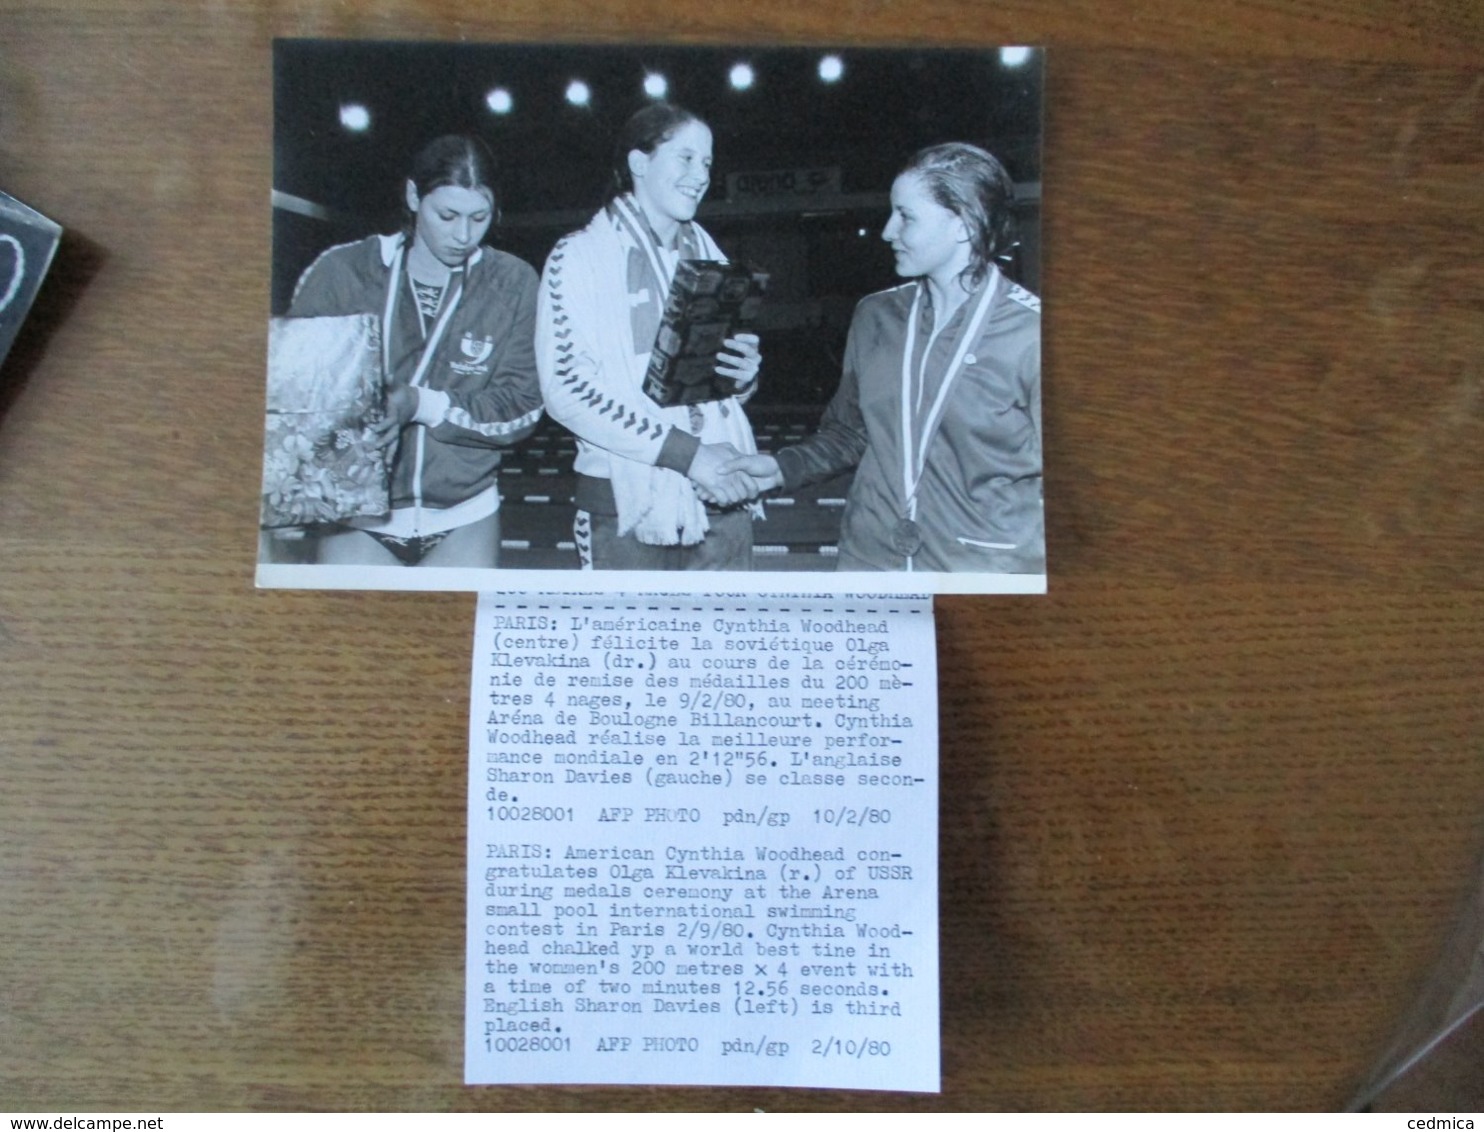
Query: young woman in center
{"type": "Point", "coordinates": [650, 494]}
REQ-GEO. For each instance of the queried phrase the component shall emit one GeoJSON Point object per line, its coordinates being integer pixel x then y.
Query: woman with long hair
{"type": "Point", "coordinates": [939, 404]}
{"type": "Point", "coordinates": [457, 330]}
{"type": "Point", "coordinates": [649, 492]}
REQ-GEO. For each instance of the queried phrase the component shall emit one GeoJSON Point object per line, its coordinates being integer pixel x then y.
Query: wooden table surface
{"type": "Point", "coordinates": [1209, 806]}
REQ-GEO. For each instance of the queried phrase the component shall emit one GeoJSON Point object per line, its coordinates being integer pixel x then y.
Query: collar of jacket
{"type": "Point", "coordinates": [390, 245]}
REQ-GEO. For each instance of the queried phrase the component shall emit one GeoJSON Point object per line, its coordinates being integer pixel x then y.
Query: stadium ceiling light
{"type": "Point", "coordinates": [1014, 56]}
{"type": "Point", "coordinates": [656, 85]}
{"type": "Point", "coordinates": [355, 117]}
{"type": "Point", "coordinates": [578, 93]}
{"type": "Point", "coordinates": [831, 68]}
{"type": "Point", "coordinates": [741, 76]}
{"type": "Point", "coordinates": [499, 101]}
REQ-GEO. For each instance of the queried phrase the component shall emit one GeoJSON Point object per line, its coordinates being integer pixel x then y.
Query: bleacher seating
{"type": "Point", "coordinates": [537, 485]}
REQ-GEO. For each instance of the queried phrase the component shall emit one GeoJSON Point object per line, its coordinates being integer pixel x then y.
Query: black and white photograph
{"type": "Point", "coordinates": [654, 318]}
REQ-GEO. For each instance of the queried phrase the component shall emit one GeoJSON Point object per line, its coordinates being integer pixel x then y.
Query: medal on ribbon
{"type": "Point", "coordinates": [906, 538]}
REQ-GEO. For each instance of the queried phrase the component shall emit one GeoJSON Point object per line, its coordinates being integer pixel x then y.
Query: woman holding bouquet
{"type": "Point", "coordinates": [457, 331]}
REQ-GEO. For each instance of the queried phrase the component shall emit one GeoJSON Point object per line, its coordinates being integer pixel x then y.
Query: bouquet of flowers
{"type": "Point", "coordinates": [325, 388]}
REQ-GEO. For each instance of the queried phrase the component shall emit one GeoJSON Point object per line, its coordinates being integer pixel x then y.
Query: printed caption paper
{"type": "Point", "coordinates": [703, 842]}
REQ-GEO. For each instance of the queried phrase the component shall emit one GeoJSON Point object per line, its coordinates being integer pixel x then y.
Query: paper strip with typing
{"type": "Point", "coordinates": [703, 842]}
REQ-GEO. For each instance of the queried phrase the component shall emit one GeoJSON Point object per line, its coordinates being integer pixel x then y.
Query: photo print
{"type": "Point", "coordinates": [643, 318]}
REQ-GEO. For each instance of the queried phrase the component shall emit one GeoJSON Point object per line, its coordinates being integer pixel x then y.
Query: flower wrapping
{"type": "Point", "coordinates": [325, 389]}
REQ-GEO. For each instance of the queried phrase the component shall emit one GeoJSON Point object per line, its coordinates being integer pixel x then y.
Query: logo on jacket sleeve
{"type": "Point", "coordinates": [475, 353]}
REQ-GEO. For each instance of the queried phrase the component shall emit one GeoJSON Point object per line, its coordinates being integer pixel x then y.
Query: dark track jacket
{"type": "Point", "coordinates": [480, 392]}
{"type": "Point", "coordinates": [979, 501]}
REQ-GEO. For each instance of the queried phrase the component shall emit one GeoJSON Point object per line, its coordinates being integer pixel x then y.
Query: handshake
{"type": "Point", "coordinates": [725, 477]}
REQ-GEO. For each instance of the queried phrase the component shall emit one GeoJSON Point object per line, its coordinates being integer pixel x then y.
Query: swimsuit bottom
{"type": "Point", "coordinates": [410, 551]}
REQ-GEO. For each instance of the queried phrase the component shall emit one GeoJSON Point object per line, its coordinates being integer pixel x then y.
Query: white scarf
{"type": "Point", "coordinates": [660, 507]}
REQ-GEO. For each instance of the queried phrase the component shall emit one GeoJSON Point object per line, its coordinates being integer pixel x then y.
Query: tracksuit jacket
{"type": "Point", "coordinates": [479, 393]}
{"type": "Point", "coordinates": [979, 501]}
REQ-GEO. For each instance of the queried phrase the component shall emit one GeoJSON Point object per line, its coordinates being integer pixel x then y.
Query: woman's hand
{"type": "Point", "coordinates": [401, 407]}
{"type": "Point", "coordinates": [741, 360]}
{"type": "Point", "coordinates": [761, 471]}
{"type": "Point", "coordinates": [712, 484]}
